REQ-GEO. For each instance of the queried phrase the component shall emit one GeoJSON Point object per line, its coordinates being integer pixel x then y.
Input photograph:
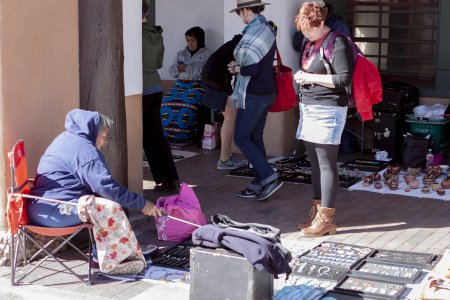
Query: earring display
{"type": "Point", "coordinates": [403, 257]}
{"type": "Point", "coordinates": [310, 269]}
{"type": "Point", "coordinates": [387, 271]}
{"type": "Point", "coordinates": [370, 287]}
{"type": "Point", "coordinates": [336, 254]}
{"type": "Point", "coordinates": [177, 256]}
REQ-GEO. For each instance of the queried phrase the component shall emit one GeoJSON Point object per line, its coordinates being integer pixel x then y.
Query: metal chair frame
{"type": "Point", "coordinates": [24, 233]}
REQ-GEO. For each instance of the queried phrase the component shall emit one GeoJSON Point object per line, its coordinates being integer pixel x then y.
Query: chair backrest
{"type": "Point", "coordinates": [16, 211]}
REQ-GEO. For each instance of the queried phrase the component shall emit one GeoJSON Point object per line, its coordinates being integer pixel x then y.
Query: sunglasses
{"type": "Point", "coordinates": [309, 52]}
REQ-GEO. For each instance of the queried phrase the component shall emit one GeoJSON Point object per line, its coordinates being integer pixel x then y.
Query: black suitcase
{"type": "Point", "coordinates": [388, 133]}
{"type": "Point", "coordinates": [221, 274]}
{"type": "Point", "coordinates": [400, 97]}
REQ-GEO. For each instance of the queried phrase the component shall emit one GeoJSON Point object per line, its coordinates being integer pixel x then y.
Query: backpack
{"type": "Point", "coordinates": [366, 78]}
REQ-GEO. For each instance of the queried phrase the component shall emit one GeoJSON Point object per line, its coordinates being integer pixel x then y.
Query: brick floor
{"type": "Point", "coordinates": [367, 219]}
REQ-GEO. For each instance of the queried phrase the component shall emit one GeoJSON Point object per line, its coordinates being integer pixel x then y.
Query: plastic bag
{"type": "Point", "coordinates": [183, 206]}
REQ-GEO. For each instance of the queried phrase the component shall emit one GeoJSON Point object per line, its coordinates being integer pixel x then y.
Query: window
{"type": "Point", "coordinates": [400, 37]}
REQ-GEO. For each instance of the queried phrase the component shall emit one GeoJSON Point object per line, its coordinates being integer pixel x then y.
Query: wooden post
{"type": "Point", "coordinates": [102, 75]}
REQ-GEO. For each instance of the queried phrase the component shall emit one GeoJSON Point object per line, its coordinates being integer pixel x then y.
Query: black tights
{"type": "Point", "coordinates": [324, 173]}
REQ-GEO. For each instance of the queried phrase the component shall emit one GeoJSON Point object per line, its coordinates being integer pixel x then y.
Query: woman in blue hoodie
{"type": "Point", "coordinates": [73, 169]}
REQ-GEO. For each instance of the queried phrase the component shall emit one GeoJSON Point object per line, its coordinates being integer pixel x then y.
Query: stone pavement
{"type": "Point", "coordinates": [391, 222]}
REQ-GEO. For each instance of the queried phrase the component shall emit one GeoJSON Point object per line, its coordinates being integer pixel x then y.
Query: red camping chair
{"type": "Point", "coordinates": [17, 218]}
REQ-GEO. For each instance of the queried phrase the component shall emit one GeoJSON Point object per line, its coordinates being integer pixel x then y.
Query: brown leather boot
{"type": "Point", "coordinates": [311, 216]}
{"type": "Point", "coordinates": [322, 224]}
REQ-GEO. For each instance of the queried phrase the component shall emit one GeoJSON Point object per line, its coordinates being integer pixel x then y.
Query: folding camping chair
{"type": "Point", "coordinates": [19, 226]}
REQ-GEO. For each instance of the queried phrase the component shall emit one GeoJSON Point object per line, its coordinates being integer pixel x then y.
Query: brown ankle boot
{"type": "Point", "coordinates": [322, 224]}
{"type": "Point", "coordinates": [311, 216]}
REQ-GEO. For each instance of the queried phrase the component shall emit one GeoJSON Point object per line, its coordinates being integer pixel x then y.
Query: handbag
{"type": "Point", "coordinates": [184, 206]}
{"type": "Point", "coordinates": [286, 98]}
{"type": "Point", "coordinates": [414, 150]}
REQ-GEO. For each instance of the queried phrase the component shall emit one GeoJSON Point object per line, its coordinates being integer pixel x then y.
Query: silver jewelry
{"type": "Point", "coordinates": [322, 271]}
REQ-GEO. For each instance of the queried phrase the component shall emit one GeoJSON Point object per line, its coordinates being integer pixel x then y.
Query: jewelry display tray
{"type": "Point", "coordinates": [175, 257]}
{"type": "Point", "coordinates": [296, 170]}
{"type": "Point", "coordinates": [387, 271]}
{"type": "Point", "coordinates": [412, 258]}
{"type": "Point", "coordinates": [341, 257]}
{"type": "Point", "coordinates": [320, 271]}
{"type": "Point", "coordinates": [366, 165]}
{"type": "Point", "coordinates": [370, 287]}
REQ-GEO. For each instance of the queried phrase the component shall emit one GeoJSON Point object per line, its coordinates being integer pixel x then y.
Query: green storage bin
{"type": "Point", "coordinates": [438, 129]}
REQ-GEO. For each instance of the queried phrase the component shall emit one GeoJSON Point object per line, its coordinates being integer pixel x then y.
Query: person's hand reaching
{"type": "Point", "coordinates": [151, 210]}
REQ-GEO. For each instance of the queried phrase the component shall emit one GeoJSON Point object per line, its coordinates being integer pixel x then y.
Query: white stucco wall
{"type": "Point", "coordinates": [132, 44]}
{"type": "Point", "coordinates": [177, 16]}
{"type": "Point", "coordinates": [282, 12]}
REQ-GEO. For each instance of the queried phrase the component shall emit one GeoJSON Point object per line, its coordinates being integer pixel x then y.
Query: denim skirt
{"type": "Point", "coordinates": [321, 124]}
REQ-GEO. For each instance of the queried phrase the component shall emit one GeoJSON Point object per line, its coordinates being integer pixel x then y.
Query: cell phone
{"type": "Point", "coordinates": [180, 62]}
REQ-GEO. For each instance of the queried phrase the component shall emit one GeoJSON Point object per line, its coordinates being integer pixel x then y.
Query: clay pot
{"type": "Point", "coordinates": [393, 178]}
{"type": "Point", "coordinates": [434, 171]}
{"type": "Point", "coordinates": [440, 192]}
{"type": "Point", "coordinates": [428, 180]}
{"type": "Point", "coordinates": [378, 185]}
{"type": "Point", "coordinates": [376, 176]}
{"type": "Point", "coordinates": [426, 190]}
{"type": "Point", "coordinates": [414, 184]}
{"type": "Point", "coordinates": [407, 189]}
{"type": "Point", "coordinates": [445, 184]}
{"type": "Point", "coordinates": [409, 177]}
{"type": "Point", "coordinates": [370, 178]}
{"type": "Point", "coordinates": [436, 186]}
{"type": "Point", "coordinates": [386, 175]}
{"type": "Point", "coordinates": [394, 169]}
{"type": "Point", "coordinates": [393, 185]}
{"type": "Point", "coordinates": [414, 171]}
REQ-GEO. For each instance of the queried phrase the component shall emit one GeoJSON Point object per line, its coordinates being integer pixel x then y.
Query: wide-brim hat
{"type": "Point", "coordinates": [248, 3]}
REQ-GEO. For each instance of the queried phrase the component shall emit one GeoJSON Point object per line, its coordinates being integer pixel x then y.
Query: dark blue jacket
{"type": "Point", "coordinates": [72, 166]}
{"type": "Point", "coordinates": [262, 253]}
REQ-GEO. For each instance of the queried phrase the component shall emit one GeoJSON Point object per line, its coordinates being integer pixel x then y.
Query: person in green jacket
{"type": "Point", "coordinates": [156, 148]}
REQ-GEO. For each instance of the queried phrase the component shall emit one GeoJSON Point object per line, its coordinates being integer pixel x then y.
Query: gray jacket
{"type": "Point", "coordinates": [194, 64]}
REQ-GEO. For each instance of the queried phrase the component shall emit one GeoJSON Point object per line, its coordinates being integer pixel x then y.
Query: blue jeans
{"type": "Point", "coordinates": [48, 215]}
{"type": "Point", "coordinates": [248, 136]}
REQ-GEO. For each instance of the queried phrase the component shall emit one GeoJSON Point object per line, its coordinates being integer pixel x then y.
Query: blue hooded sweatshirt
{"type": "Point", "coordinates": [72, 167]}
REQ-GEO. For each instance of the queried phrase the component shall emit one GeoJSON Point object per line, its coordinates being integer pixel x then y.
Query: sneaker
{"type": "Point", "coordinates": [247, 193]}
{"type": "Point", "coordinates": [231, 164]}
{"type": "Point", "coordinates": [268, 190]}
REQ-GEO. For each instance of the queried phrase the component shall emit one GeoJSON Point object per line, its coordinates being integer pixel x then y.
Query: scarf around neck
{"type": "Point", "coordinates": [258, 38]}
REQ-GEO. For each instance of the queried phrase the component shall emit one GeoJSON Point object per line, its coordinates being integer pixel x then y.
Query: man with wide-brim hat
{"type": "Point", "coordinates": [246, 3]}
